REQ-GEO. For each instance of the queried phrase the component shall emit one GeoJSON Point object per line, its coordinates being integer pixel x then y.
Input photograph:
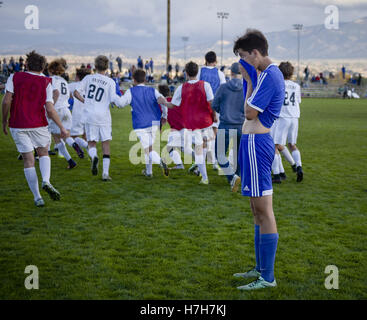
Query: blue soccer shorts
{"type": "Point", "coordinates": [256, 155]}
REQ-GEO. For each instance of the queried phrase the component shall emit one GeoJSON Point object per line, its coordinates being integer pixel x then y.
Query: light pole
{"type": "Point", "coordinates": [222, 15]}
{"type": "Point", "coordinates": [298, 27]}
{"type": "Point", "coordinates": [168, 33]}
{"type": "Point", "coordinates": [185, 39]}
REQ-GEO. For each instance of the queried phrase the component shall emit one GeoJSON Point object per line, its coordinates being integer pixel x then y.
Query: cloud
{"type": "Point", "coordinates": [342, 3]}
{"type": "Point", "coordinates": [116, 29]}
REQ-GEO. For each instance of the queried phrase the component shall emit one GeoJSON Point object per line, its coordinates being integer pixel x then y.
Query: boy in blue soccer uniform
{"type": "Point", "coordinates": [262, 106]}
{"type": "Point", "coordinates": [146, 117]}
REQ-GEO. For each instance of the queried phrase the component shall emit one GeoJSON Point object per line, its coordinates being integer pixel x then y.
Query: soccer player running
{"type": "Point", "coordinates": [61, 95]}
{"type": "Point", "coordinates": [286, 127]}
{"type": "Point", "coordinates": [194, 98]}
{"type": "Point", "coordinates": [99, 91]}
{"type": "Point", "coordinates": [146, 117]}
{"type": "Point", "coordinates": [27, 94]}
{"type": "Point", "coordinates": [79, 112]}
{"type": "Point", "coordinates": [262, 107]}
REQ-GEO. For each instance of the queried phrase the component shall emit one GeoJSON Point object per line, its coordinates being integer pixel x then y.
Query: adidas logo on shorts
{"type": "Point", "coordinates": [246, 188]}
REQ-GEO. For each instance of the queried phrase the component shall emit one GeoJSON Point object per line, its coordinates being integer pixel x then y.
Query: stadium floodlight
{"type": "Point", "coordinates": [299, 28]}
{"type": "Point", "coordinates": [185, 39]}
{"type": "Point", "coordinates": [222, 16]}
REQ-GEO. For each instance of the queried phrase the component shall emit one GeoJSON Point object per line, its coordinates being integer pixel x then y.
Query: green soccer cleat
{"type": "Point", "coordinates": [253, 273]}
{"type": "Point", "coordinates": [204, 181]}
{"type": "Point", "coordinates": [258, 284]}
{"type": "Point", "coordinates": [53, 193]}
{"type": "Point", "coordinates": [39, 202]}
{"type": "Point", "coordinates": [106, 177]}
{"type": "Point", "coordinates": [235, 183]}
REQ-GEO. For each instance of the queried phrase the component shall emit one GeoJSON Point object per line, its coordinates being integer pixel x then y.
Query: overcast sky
{"type": "Point", "coordinates": [142, 23]}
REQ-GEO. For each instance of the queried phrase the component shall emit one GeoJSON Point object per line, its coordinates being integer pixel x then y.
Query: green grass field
{"type": "Point", "coordinates": [135, 238]}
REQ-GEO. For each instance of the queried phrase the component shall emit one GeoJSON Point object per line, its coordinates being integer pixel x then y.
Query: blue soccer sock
{"type": "Point", "coordinates": [257, 246]}
{"type": "Point", "coordinates": [268, 248]}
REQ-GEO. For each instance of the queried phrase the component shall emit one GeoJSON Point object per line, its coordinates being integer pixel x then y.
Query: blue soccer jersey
{"type": "Point", "coordinates": [268, 96]}
{"type": "Point", "coordinates": [145, 108]}
{"type": "Point", "coordinates": [211, 76]}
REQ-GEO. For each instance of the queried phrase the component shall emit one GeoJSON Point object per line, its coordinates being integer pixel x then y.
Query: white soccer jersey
{"type": "Point", "coordinates": [292, 99]}
{"type": "Point", "coordinates": [61, 85]}
{"type": "Point", "coordinates": [99, 91]}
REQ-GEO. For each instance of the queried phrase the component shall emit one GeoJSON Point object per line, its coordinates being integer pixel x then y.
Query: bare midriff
{"type": "Point", "coordinates": [254, 127]}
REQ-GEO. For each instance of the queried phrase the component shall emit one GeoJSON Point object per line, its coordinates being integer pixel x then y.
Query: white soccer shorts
{"type": "Point", "coordinates": [98, 132]}
{"type": "Point", "coordinates": [198, 136]}
{"type": "Point", "coordinates": [285, 130]}
{"type": "Point", "coordinates": [77, 126]}
{"type": "Point", "coordinates": [66, 120]}
{"type": "Point", "coordinates": [27, 139]}
{"type": "Point", "coordinates": [175, 138]}
{"type": "Point", "coordinates": [147, 135]}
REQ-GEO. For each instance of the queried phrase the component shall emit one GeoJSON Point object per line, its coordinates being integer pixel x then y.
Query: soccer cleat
{"type": "Point", "coordinates": [178, 167]}
{"type": "Point", "coordinates": [72, 164]}
{"type": "Point", "coordinates": [192, 168]}
{"type": "Point", "coordinates": [235, 183]}
{"type": "Point", "coordinates": [215, 167]}
{"type": "Point", "coordinates": [299, 174]}
{"type": "Point", "coordinates": [106, 177]}
{"type": "Point", "coordinates": [276, 179]}
{"type": "Point", "coordinates": [144, 172]}
{"type": "Point", "coordinates": [253, 273]}
{"type": "Point", "coordinates": [165, 169]}
{"type": "Point", "coordinates": [197, 172]}
{"type": "Point", "coordinates": [51, 153]}
{"type": "Point", "coordinates": [258, 284]}
{"type": "Point", "coordinates": [39, 202]}
{"type": "Point", "coordinates": [95, 166]}
{"type": "Point", "coordinates": [53, 193]}
{"type": "Point", "coordinates": [204, 181]}
{"type": "Point", "coordinates": [294, 168]}
{"type": "Point", "coordinates": [283, 176]}
{"type": "Point", "coordinates": [78, 150]}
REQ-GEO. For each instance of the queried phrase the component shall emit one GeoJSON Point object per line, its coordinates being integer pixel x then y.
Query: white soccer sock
{"type": "Point", "coordinates": [148, 164]}
{"type": "Point", "coordinates": [200, 161]}
{"type": "Point", "coordinates": [230, 157]}
{"type": "Point", "coordinates": [32, 179]}
{"type": "Point", "coordinates": [281, 168]}
{"type": "Point", "coordinates": [82, 143]}
{"type": "Point", "coordinates": [62, 149]}
{"type": "Point", "coordinates": [106, 165]}
{"type": "Point", "coordinates": [175, 156]}
{"type": "Point", "coordinates": [297, 157]}
{"type": "Point", "coordinates": [275, 164]}
{"type": "Point", "coordinates": [92, 152]}
{"type": "Point", "coordinates": [155, 157]}
{"type": "Point", "coordinates": [210, 152]}
{"type": "Point", "coordinates": [70, 141]}
{"type": "Point", "coordinates": [285, 152]}
{"type": "Point", "coordinates": [45, 168]}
